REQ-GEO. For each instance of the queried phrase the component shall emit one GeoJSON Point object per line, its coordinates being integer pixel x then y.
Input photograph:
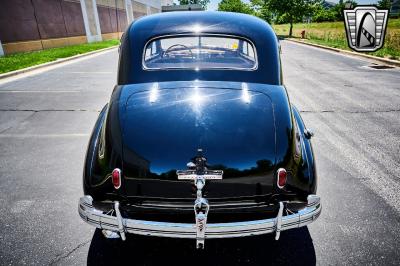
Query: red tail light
{"type": "Point", "coordinates": [116, 178]}
{"type": "Point", "coordinates": [281, 180]}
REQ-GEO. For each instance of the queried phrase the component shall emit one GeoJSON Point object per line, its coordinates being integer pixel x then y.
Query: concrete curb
{"type": "Point", "coordinates": [56, 62]}
{"type": "Point", "coordinates": [379, 59]}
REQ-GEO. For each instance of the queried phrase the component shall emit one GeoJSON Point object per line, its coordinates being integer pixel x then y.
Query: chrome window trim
{"type": "Point", "coordinates": [144, 67]}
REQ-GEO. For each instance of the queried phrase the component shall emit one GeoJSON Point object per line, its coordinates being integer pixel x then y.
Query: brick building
{"type": "Point", "coordinates": [29, 25]}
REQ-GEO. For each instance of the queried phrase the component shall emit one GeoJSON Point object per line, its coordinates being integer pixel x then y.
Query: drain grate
{"type": "Point", "coordinates": [375, 66]}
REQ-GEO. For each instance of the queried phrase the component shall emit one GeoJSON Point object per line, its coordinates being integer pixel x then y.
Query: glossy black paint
{"type": "Point", "coordinates": [151, 129]}
{"type": "Point", "coordinates": [189, 23]}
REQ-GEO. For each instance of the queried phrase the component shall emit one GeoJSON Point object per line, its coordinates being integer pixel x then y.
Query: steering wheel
{"type": "Point", "coordinates": [177, 45]}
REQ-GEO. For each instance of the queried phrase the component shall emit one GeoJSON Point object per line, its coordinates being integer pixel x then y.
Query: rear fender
{"type": "Point", "coordinates": [91, 165]}
{"type": "Point", "coordinates": [104, 150]}
{"type": "Point", "coordinates": [307, 168]}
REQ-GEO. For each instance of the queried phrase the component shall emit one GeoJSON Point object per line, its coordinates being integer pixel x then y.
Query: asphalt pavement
{"type": "Point", "coordinates": [46, 120]}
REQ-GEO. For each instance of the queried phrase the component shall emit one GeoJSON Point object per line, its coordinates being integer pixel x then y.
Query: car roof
{"type": "Point", "coordinates": [193, 23]}
{"type": "Point", "coordinates": [185, 22]}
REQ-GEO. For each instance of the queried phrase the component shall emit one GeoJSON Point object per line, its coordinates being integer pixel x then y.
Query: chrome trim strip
{"type": "Point", "coordinates": [202, 34]}
{"type": "Point", "coordinates": [186, 230]}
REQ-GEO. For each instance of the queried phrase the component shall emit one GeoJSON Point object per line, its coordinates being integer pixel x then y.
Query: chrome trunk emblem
{"type": "Point", "coordinates": [192, 174]}
{"type": "Point", "coordinates": [198, 167]}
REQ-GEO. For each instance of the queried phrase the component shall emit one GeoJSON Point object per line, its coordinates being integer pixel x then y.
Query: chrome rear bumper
{"type": "Point", "coordinates": [186, 230]}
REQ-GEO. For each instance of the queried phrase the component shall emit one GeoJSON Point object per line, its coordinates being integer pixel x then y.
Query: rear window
{"type": "Point", "coordinates": [200, 52]}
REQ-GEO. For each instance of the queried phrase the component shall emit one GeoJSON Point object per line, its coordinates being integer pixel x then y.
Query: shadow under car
{"type": "Point", "coordinates": [295, 247]}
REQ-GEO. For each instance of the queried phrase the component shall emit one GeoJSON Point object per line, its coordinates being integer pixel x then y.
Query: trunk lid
{"type": "Point", "coordinates": [164, 126]}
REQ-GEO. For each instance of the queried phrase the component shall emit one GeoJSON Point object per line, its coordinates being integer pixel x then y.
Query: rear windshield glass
{"type": "Point", "coordinates": [200, 52]}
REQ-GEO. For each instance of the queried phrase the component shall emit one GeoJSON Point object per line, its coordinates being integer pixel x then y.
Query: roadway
{"type": "Point", "coordinates": [46, 119]}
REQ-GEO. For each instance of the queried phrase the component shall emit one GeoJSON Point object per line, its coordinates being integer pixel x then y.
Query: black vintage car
{"type": "Point", "coordinates": [199, 139]}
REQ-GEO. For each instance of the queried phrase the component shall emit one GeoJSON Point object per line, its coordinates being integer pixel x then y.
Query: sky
{"type": "Point", "coordinates": [214, 3]}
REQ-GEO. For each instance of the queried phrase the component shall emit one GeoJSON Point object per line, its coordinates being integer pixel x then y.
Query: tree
{"type": "Point", "coordinates": [235, 6]}
{"type": "Point", "coordinates": [385, 4]}
{"type": "Point", "coordinates": [338, 8]}
{"type": "Point", "coordinates": [321, 13]}
{"type": "Point", "coordinates": [203, 3]}
{"type": "Point", "coordinates": [261, 10]}
{"type": "Point", "coordinates": [291, 10]}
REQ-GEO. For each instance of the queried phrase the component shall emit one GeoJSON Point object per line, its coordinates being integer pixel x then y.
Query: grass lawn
{"type": "Point", "coordinates": [333, 34]}
{"type": "Point", "coordinates": [22, 60]}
